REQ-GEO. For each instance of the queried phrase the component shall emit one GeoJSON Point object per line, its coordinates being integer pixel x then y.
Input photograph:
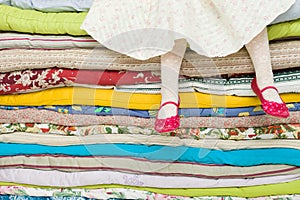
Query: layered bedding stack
{"type": "Point", "coordinates": [76, 119]}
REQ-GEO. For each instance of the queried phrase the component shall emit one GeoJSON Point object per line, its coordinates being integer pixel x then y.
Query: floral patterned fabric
{"type": "Point", "coordinates": [33, 79]}
{"type": "Point", "coordinates": [285, 81]}
{"type": "Point", "coordinates": [115, 193]}
{"type": "Point", "coordinates": [15, 197]}
{"type": "Point", "coordinates": [280, 131]}
{"type": "Point", "coordinates": [45, 116]}
{"type": "Point", "coordinates": [37, 79]}
{"type": "Point", "coordinates": [126, 81]}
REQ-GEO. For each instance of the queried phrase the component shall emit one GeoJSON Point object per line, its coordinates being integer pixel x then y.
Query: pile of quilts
{"type": "Point", "coordinates": [77, 119]}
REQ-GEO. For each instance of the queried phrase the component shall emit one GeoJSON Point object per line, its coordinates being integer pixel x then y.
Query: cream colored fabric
{"type": "Point", "coordinates": [58, 140]}
{"type": "Point", "coordinates": [66, 179]}
{"type": "Point", "coordinates": [73, 164]}
{"type": "Point", "coordinates": [283, 55]}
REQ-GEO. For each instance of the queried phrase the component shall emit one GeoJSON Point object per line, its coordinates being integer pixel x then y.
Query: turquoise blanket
{"type": "Point", "coordinates": [243, 157]}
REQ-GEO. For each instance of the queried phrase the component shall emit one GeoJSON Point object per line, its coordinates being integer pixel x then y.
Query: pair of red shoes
{"type": "Point", "coordinates": [270, 107]}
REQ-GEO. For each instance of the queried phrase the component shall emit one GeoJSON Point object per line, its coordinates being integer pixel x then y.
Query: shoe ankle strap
{"type": "Point", "coordinates": [169, 102]}
{"type": "Point", "coordinates": [269, 87]}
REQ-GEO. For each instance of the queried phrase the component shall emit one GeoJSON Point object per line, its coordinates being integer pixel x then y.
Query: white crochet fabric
{"type": "Point", "coordinates": [144, 29]}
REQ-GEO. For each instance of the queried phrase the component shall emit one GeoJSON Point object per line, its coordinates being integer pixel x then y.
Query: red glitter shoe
{"type": "Point", "coordinates": [168, 124]}
{"type": "Point", "coordinates": [270, 107]}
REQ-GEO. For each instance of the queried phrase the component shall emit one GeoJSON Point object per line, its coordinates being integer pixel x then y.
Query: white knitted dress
{"type": "Point", "coordinates": [146, 28]}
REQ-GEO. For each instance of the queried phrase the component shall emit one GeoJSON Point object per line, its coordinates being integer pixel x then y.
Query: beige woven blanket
{"type": "Point", "coordinates": [284, 55]}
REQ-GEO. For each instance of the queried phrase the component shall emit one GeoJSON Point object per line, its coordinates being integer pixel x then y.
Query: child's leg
{"type": "Point", "coordinates": [259, 52]}
{"type": "Point", "coordinates": [170, 66]}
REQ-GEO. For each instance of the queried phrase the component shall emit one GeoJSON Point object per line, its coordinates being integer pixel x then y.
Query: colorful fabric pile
{"type": "Point", "coordinates": [77, 119]}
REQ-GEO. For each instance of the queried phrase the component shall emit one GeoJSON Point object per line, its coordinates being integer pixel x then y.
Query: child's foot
{"type": "Point", "coordinates": [166, 111]}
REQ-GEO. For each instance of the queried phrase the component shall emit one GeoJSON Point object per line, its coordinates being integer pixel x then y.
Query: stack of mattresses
{"type": "Point", "coordinates": [77, 119]}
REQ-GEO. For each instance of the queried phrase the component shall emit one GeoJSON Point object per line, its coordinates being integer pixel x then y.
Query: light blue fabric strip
{"type": "Point", "coordinates": [53, 5]}
{"type": "Point", "coordinates": [6, 2]}
{"type": "Point", "coordinates": [292, 14]}
{"type": "Point", "coordinates": [244, 157]}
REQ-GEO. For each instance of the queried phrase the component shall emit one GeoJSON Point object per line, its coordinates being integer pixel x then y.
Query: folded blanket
{"type": "Point", "coordinates": [10, 40]}
{"type": "Point", "coordinates": [38, 79]}
{"type": "Point", "coordinates": [278, 131]}
{"type": "Point", "coordinates": [287, 138]}
{"type": "Point", "coordinates": [106, 97]}
{"type": "Point", "coordinates": [284, 30]}
{"type": "Point", "coordinates": [240, 157]}
{"type": "Point", "coordinates": [283, 54]}
{"type": "Point", "coordinates": [31, 21]}
{"type": "Point", "coordinates": [136, 82]}
{"type": "Point", "coordinates": [269, 192]}
{"type": "Point", "coordinates": [183, 112]}
{"type": "Point", "coordinates": [46, 116]}
{"type": "Point", "coordinates": [287, 81]}
{"type": "Point", "coordinates": [73, 179]}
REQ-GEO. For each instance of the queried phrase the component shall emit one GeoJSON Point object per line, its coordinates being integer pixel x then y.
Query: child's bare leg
{"type": "Point", "coordinates": [259, 52]}
{"type": "Point", "coordinates": [170, 66]}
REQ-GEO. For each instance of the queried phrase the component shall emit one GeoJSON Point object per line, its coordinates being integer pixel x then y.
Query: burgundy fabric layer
{"type": "Point", "coordinates": [37, 79]}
